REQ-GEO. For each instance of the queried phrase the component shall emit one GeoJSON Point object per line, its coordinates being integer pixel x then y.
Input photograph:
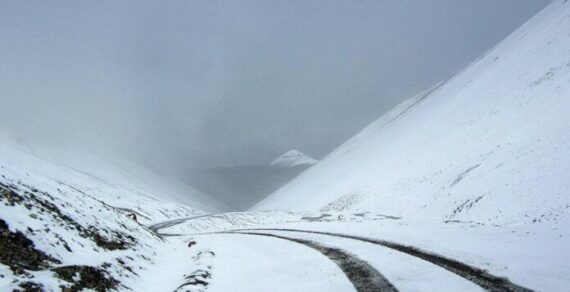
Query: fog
{"type": "Point", "coordinates": [192, 84]}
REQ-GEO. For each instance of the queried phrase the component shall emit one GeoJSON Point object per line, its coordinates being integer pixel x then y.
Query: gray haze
{"type": "Point", "coordinates": [210, 83]}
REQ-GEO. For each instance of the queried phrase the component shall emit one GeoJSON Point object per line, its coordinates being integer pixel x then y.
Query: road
{"type": "Point", "coordinates": [362, 259]}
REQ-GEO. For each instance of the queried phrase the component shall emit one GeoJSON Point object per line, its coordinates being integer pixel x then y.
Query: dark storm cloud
{"type": "Point", "coordinates": [202, 83]}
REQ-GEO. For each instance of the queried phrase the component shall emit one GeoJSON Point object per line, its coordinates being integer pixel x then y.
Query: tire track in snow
{"type": "Point", "coordinates": [478, 276]}
{"type": "Point", "coordinates": [363, 276]}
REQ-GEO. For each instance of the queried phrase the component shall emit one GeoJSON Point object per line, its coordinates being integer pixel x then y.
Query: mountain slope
{"type": "Point", "coordinates": [77, 222]}
{"type": "Point", "coordinates": [489, 145]}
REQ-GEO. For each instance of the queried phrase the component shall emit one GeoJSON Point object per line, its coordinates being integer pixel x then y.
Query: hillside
{"type": "Point", "coordinates": [489, 145]}
{"type": "Point", "coordinates": [64, 218]}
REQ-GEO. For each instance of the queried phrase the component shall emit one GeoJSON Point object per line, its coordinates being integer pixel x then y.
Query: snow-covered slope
{"type": "Point", "coordinates": [67, 219]}
{"type": "Point", "coordinates": [490, 145]}
{"type": "Point", "coordinates": [293, 158]}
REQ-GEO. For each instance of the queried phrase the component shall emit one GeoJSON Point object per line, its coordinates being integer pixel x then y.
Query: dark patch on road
{"type": "Point", "coordinates": [476, 275]}
{"type": "Point", "coordinates": [363, 276]}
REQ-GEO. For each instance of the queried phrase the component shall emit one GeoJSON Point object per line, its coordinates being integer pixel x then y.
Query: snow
{"type": "Point", "coordinates": [174, 260]}
{"type": "Point", "coordinates": [489, 145]}
{"type": "Point", "coordinates": [255, 263]}
{"type": "Point", "coordinates": [474, 169]}
{"type": "Point", "coordinates": [67, 202]}
{"type": "Point", "coordinates": [529, 255]}
{"type": "Point", "coordinates": [293, 158]}
{"type": "Point", "coordinates": [532, 256]}
{"type": "Point", "coordinates": [405, 272]}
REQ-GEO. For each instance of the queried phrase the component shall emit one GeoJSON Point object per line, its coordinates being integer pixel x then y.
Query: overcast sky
{"type": "Point", "coordinates": [210, 83]}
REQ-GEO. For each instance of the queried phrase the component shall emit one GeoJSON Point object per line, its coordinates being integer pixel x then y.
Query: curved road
{"type": "Point", "coordinates": [478, 276]}
{"type": "Point", "coordinates": [362, 275]}
{"type": "Point", "coordinates": [156, 227]}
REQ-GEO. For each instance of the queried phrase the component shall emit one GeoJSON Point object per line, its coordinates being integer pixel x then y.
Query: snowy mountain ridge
{"type": "Point", "coordinates": [293, 158]}
{"type": "Point", "coordinates": [489, 145]}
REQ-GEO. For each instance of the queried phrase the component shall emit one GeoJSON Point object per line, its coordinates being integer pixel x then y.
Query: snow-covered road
{"type": "Point", "coordinates": [417, 262]}
{"type": "Point", "coordinates": [361, 274]}
{"type": "Point", "coordinates": [258, 263]}
{"type": "Point", "coordinates": [286, 259]}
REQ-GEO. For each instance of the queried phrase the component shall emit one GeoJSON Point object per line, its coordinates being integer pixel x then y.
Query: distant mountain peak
{"type": "Point", "coordinates": [293, 158]}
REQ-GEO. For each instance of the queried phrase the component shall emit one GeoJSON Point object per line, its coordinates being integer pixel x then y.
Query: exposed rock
{"type": "Point", "coordinates": [19, 252]}
{"type": "Point", "coordinates": [86, 277]}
